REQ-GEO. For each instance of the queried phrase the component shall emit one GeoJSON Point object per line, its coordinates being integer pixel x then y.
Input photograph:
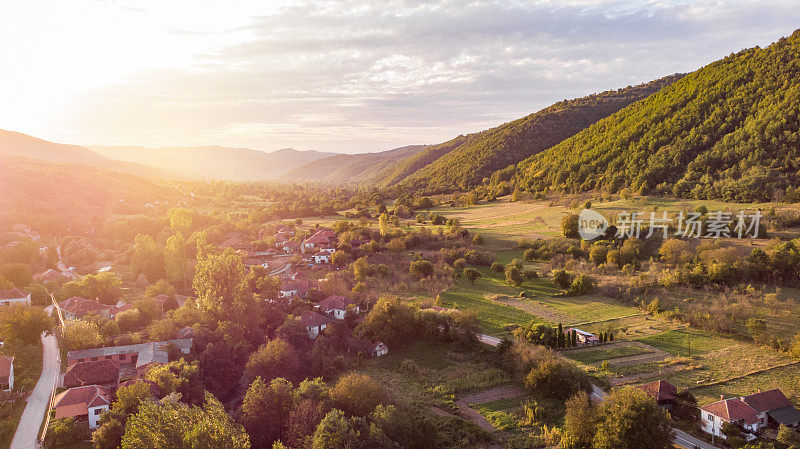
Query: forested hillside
{"type": "Point", "coordinates": [467, 159]}
{"type": "Point", "coordinates": [727, 131]}
{"type": "Point", "coordinates": [351, 167]}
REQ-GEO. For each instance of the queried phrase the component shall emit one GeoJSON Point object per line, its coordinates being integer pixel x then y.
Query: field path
{"type": "Point", "coordinates": [492, 394]}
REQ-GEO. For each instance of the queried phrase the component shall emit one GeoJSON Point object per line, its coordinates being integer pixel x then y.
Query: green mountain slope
{"type": "Point", "coordinates": [467, 159]}
{"type": "Point", "coordinates": [351, 168]}
{"type": "Point", "coordinates": [728, 130]}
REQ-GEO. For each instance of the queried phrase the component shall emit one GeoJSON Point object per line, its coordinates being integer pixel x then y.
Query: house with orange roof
{"type": "Point", "coordinates": [83, 403]}
{"type": "Point", "coordinates": [735, 411]}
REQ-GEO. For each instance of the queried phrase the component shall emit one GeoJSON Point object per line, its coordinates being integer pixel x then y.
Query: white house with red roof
{"type": "Point", "coordinates": [14, 296]}
{"type": "Point", "coordinates": [321, 258]}
{"type": "Point", "coordinates": [6, 373]}
{"type": "Point", "coordinates": [296, 287]}
{"type": "Point", "coordinates": [773, 408]}
{"type": "Point", "coordinates": [314, 323]}
{"type": "Point", "coordinates": [83, 403]}
{"type": "Point", "coordinates": [734, 410]}
{"type": "Point", "coordinates": [337, 306]}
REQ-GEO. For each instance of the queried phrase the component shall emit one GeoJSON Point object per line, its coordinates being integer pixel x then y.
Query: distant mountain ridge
{"type": "Point", "coordinates": [17, 144]}
{"type": "Point", "coordinates": [215, 162]}
{"type": "Point", "coordinates": [351, 168]}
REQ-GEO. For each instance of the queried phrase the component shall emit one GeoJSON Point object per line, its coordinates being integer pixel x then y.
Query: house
{"type": "Point", "coordinates": [584, 338]}
{"type": "Point", "coordinates": [773, 408]}
{"type": "Point", "coordinates": [77, 308]}
{"type": "Point", "coordinates": [83, 403]}
{"type": "Point", "coordinates": [235, 242]}
{"type": "Point", "coordinates": [282, 228]}
{"type": "Point", "coordinates": [48, 276]}
{"type": "Point", "coordinates": [104, 373]}
{"type": "Point", "coordinates": [281, 238]}
{"type": "Point", "coordinates": [330, 235]}
{"type": "Point", "coordinates": [137, 355]}
{"type": "Point", "coordinates": [368, 348]}
{"type": "Point", "coordinates": [663, 392]}
{"type": "Point", "coordinates": [295, 287]}
{"type": "Point", "coordinates": [337, 306]}
{"type": "Point", "coordinates": [314, 323]}
{"type": "Point", "coordinates": [327, 249]}
{"type": "Point", "coordinates": [321, 258]}
{"type": "Point", "coordinates": [733, 410]}
{"type": "Point", "coordinates": [290, 247]}
{"type": "Point", "coordinates": [6, 373]}
{"type": "Point", "coordinates": [316, 240]}
{"type": "Point", "coordinates": [14, 296]}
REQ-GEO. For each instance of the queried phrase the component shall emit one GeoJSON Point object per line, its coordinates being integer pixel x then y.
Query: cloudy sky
{"type": "Point", "coordinates": [346, 76]}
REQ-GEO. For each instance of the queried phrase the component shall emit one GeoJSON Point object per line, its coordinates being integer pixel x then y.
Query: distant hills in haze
{"type": "Point", "coordinates": [215, 162]}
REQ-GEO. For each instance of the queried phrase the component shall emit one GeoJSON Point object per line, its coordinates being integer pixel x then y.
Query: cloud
{"type": "Point", "coordinates": [365, 76]}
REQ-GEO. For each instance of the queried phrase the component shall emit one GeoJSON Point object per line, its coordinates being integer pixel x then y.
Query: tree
{"type": "Point", "coordinates": [598, 254]}
{"type": "Point", "coordinates": [221, 285]}
{"type": "Point", "coordinates": [275, 359]}
{"type": "Point", "coordinates": [580, 421]}
{"type": "Point", "coordinates": [65, 433]}
{"type": "Point", "coordinates": [421, 268]}
{"type": "Point", "coordinates": [497, 267]}
{"type": "Point", "coordinates": [23, 323]}
{"type": "Point", "coordinates": [109, 434]}
{"type": "Point", "coordinates": [631, 419]}
{"type": "Point", "coordinates": [788, 437]}
{"type": "Point", "coordinates": [561, 278]}
{"type": "Point", "coordinates": [357, 394]}
{"type": "Point", "coordinates": [265, 411]}
{"type": "Point", "coordinates": [335, 431]}
{"type": "Point", "coordinates": [303, 420]}
{"type": "Point", "coordinates": [472, 274]}
{"type": "Point", "coordinates": [733, 434]}
{"type": "Point", "coordinates": [383, 223]}
{"type": "Point", "coordinates": [581, 285]}
{"type": "Point", "coordinates": [569, 226]}
{"type": "Point", "coordinates": [106, 287]}
{"type": "Point", "coordinates": [561, 338]}
{"type": "Point", "coordinates": [81, 335]}
{"type": "Point", "coordinates": [172, 424]}
{"type": "Point", "coordinates": [179, 376]}
{"type": "Point", "coordinates": [513, 275]}
{"type": "Point", "coordinates": [177, 263]}
{"type": "Point", "coordinates": [147, 258]}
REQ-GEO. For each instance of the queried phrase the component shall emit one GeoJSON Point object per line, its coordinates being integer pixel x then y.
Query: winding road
{"type": "Point", "coordinates": [38, 401]}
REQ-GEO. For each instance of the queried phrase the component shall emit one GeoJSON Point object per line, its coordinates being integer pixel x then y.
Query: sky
{"type": "Point", "coordinates": [344, 76]}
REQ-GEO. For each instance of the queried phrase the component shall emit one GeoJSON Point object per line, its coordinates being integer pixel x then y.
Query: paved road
{"type": "Point", "coordinates": [680, 437]}
{"type": "Point", "coordinates": [281, 269]}
{"type": "Point", "coordinates": [28, 429]}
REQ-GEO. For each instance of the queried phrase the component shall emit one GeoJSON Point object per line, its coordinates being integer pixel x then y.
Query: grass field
{"type": "Point", "coordinates": [687, 342]}
{"type": "Point", "coordinates": [602, 353]}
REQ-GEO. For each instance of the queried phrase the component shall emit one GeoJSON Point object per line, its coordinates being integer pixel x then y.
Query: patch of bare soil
{"type": "Point", "coordinates": [533, 307]}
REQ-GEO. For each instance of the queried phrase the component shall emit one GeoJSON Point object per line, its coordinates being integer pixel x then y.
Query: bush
{"type": "Point", "coordinates": [561, 278]}
{"type": "Point", "coordinates": [497, 267]}
{"type": "Point", "coordinates": [357, 394]}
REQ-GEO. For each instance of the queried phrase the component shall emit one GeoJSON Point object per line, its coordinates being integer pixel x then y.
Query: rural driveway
{"type": "Point", "coordinates": [38, 401]}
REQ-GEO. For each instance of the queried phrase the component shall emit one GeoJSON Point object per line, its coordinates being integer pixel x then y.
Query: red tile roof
{"type": "Point", "coordinates": [661, 390]}
{"type": "Point", "coordinates": [90, 396]}
{"type": "Point", "coordinates": [5, 368]}
{"type": "Point", "coordinates": [732, 410]}
{"type": "Point", "coordinates": [318, 239]}
{"type": "Point", "coordinates": [81, 306]}
{"type": "Point", "coordinates": [767, 400]}
{"type": "Point", "coordinates": [313, 319]}
{"type": "Point", "coordinates": [14, 293]}
{"type": "Point", "coordinates": [335, 302]}
{"type": "Point", "coordinates": [48, 275]}
{"type": "Point", "coordinates": [91, 373]}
